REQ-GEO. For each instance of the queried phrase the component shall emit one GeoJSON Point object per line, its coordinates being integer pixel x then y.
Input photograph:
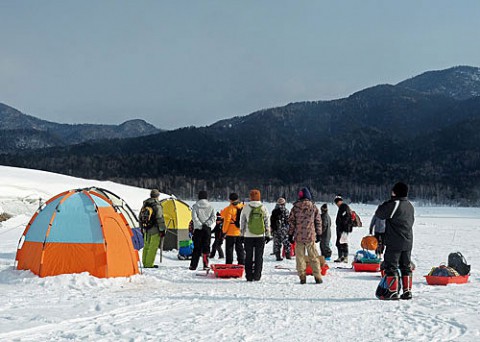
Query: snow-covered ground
{"type": "Point", "coordinates": [174, 304]}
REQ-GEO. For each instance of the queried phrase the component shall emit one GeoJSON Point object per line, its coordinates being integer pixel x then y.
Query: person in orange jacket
{"type": "Point", "coordinates": [231, 229]}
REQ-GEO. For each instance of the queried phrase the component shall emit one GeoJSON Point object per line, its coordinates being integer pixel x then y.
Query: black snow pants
{"type": "Point", "coordinates": [254, 257]}
{"type": "Point", "coordinates": [394, 260]}
{"type": "Point", "coordinates": [201, 244]}
{"type": "Point", "coordinates": [234, 242]}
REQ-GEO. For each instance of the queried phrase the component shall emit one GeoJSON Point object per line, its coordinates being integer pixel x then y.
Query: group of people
{"type": "Point", "coordinates": [246, 228]}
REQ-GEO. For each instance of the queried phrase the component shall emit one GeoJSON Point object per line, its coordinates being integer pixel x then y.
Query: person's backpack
{"type": "Point", "coordinates": [146, 217]}
{"type": "Point", "coordinates": [457, 262]}
{"type": "Point", "coordinates": [256, 225]}
{"type": "Point", "coordinates": [356, 221]}
{"type": "Point", "coordinates": [237, 217]}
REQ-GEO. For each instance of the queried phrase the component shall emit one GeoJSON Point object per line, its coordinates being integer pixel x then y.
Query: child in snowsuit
{"type": "Point", "coordinates": [326, 233]}
{"type": "Point", "coordinates": [305, 229]}
{"type": "Point", "coordinates": [155, 233]}
{"type": "Point", "coordinates": [399, 216]}
{"type": "Point", "coordinates": [203, 217]}
{"type": "Point", "coordinates": [218, 234]}
{"type": "Point", "coordinates": [377, 226]}
{"type": "Point", "coordinates": [279, 227]}
{"type": "Point", "coordinates": [255, 228]}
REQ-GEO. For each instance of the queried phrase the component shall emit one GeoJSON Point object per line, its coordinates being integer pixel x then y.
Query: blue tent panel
{"type": "Point", "coordinates": [39, 227]}
{"type": "Point", "coordinates": [76, 222]}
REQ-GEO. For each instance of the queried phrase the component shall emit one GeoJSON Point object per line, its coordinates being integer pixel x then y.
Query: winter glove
{"type": "Point", "coordinates": [267, 239]}
{"type": "Point", "coordinates": [318, 238]}
{"type": "Point", "coordinates": [290, 239]}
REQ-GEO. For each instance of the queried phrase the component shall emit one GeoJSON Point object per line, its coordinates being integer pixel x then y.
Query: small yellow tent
{"type": "Point", "coordinates": [177, 215]}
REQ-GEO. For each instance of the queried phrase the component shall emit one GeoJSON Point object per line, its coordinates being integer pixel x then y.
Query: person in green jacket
{"type": "Point", "coordinates": [156, 232]}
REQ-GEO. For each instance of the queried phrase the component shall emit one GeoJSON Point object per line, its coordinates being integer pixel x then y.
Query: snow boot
{"type": "Point", "coordinates": [345, 260]}
{"type": "Point", "coordinates": [303, 279]}
{"type": "Point", "coordinates": [279, 258]}
{"type": "Point", "coordinates": [205, 261]}
{"type": "Point", "coordinates": [388, 288]}
{"type": "Point", "coordinates": [288, 256]}
{"type": "Point", "coordinates": [318, 280]}
{"type": "Point", "coordinates": [339, 259]}
{"type": "Point", "coordinates": [407, 287]}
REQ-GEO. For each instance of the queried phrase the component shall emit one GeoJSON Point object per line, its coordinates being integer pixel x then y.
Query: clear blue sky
{"type": "Point", "coordinates": [180, 63]}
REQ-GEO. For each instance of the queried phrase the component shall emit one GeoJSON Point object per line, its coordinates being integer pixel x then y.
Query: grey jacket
{"type": "Point", "coordinates": [159, 225]}
{"type": "Point", "coordinates": [377, 225]}
{"type": "Point", "coordinates": [244, 217]}
{"type": "Point", "coordinates": [203, 213]}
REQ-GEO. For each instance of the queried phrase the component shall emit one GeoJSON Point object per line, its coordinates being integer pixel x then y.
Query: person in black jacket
{"type": "Point", "coordinates": [399, 215]}
{"type": "Point", "coordinates": [218, 234]}
{"type": "Point", "coordinates": [326, 233]}
{"type": "Point", "coordinates": [344, 226]}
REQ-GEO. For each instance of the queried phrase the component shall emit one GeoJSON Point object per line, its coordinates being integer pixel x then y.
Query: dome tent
{"type": "Point", "coordinates": [177, 215]}
{"type": "Point", "coordinates": [78, 231]}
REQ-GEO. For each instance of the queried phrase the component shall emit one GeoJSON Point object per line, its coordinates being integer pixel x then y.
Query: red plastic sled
{"type": "Point", "coordinates": [434, 280]}
{"type": "Point", "coordinates": [359, 267]}
{"type": "Point", "coordinates": [227, 270]}
{"type": "Point", "coordinates": [323, 270]}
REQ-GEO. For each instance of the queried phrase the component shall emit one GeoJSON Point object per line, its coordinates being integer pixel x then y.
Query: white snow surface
{"type": "Point", "coordinates": [174, 304]}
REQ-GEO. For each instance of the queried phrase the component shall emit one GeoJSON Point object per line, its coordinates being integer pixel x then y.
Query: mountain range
{"type": "Point", "coordinates": [20, 131]}
{"type": "Point", "coordinates": [423, 131]}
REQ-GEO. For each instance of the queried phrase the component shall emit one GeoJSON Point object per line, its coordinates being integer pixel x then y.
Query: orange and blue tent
{"type": "Point", "coordinates": [78, 231]}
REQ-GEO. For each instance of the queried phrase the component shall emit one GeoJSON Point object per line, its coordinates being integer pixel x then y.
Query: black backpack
{"type": "Point", "coordinates": [237, 217]}
{"type": "Point", "coordinates": [458, 263]}
{"type": "Point", "coordinates": [146, 217]}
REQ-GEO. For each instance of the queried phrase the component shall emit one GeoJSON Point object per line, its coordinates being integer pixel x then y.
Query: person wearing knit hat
{"type": "Point", "coordinates": [305, 228]}
{"type": "Point", "coordinates": [203, 217]}
{"type": "Point", "coordinates": [218, 234]}
{"type": "Point", "coordinates": [325, 250]}
{"type": "Point", "coordinates": [344, 227]}
{"type": "Point", "coordinates": [399, 216]}
{"type": "Point", "coordinates": [279, 229]}
{"type": "Point", "coordinates": [255, 228]}
{"type": "Point", "coordinates": [153, 225]}
{"type": "Point", "coordinates": [231, 230]}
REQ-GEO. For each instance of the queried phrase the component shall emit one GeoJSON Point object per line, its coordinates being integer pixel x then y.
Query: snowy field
{"type": "Point", "coordinates": [174, 304]}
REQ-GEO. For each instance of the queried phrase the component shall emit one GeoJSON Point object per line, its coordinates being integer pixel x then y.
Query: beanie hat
{"type": "Point", "coordinates": [202, 194]}
{"type": "Point", "coordinates": [254, 195]}
{"type": "Point", "coordinates": [304, 193]}
{"type": "Point", "coordinates": [400, 189]}
{"type": "Point", "coordinates": [324, 207]}
{"type": "Point", "coordinates": [281, 201]}
{"type": "Point", "coordinates": [233, 197]}
{"type": "Point", "coordinates": [338, 198]}
{"type": "Point", "coordinates": [154, 193]}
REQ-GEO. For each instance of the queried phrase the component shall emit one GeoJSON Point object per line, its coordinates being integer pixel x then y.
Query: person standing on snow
{"type": "Point", "coordinates": [231, 229]}
{"type": "Point", "coordinates": [399, 216]}
{"type": "Point", "coordinates": [344, 227]}
{"type": "Point", "coordinates": [155, 232]}
{"type": "Point", "coordinates": [218, 234]}
{"type": "Point", "coordinates": [254, 225]}
{"type": "Point", "coordinates": [377, 227]}
{"type": "Point", "coordinates": [279, 227]}
{"type": "Point", "coordinates": [326, 233]}
{"type": "Point", "coordinates": [203, 217]}
{"type": "Point", "coordinates": [305, 229]}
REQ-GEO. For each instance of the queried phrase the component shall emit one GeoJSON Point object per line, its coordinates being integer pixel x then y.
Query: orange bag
{"type": "Point", "coordinates": [369, 243]}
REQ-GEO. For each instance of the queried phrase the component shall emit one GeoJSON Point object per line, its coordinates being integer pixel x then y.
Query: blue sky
{"type": "Point", "coordinates": [181, 63]}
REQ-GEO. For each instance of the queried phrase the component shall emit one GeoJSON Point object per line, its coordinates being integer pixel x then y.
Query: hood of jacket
{"type": "Point", "coordinates": [203, 203]}
{"type": "Point", "coordinates": [255, 204]}
{"type": "Point", "coordinates": [151, 201]}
